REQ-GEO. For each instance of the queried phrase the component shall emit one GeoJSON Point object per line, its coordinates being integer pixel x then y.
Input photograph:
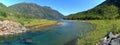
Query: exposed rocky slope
{"type": "Point", "coordinates": [8, 27]}
{"type": "Point", "coordinates": [37, 11]}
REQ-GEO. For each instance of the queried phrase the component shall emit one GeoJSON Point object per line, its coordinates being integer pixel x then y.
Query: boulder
{"type": "Point", "coordinates": [8, 27]}
{"type": "Point", "coordinates": [28, 41]}
{"type": "Point", "coordinates": [109, 39]}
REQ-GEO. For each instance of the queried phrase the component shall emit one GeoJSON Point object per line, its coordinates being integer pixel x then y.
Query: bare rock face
{"type": "Point", "coordinates": [109, 39]}
{"type": "Point", "coordinates": [8, 27]}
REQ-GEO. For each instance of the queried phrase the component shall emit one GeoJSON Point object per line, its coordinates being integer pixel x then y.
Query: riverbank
{"type": "Point", "coordinates": [102, 28]}
{"type": "Point", "coordinates": [36, 24]}
{"type": "Point", "coordinates": [10, 27]}
{"type": "Point", "coordinates": [39, 23]}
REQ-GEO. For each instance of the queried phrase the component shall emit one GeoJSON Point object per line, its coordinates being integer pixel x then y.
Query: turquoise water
{"type": "Point", "coordinates": [54, 35]}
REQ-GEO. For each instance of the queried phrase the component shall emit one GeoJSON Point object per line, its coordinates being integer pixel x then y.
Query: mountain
{"type": "Point", "coordinates": [43, 12]}
{"type": "Point", "coordinates": [109, 9]}
{"type": "Point", "coordinates": [6, 13]}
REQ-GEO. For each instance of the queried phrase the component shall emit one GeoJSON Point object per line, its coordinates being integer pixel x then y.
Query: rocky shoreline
{"type": "Point", "coordinates": [8, 27]}
{"type": "Point", "coordinates": [110, 39]}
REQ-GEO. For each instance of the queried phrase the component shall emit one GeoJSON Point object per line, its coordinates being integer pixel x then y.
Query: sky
{"type": "Point", "coordinates": [65, 7]}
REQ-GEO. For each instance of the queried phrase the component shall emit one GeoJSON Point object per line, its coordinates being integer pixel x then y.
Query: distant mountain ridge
{"type": "Point", "coordinates": [38, 11]}
{"type": "Point", "coordinates": [109, 9]}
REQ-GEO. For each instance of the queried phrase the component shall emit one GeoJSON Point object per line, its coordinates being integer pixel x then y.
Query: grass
{"type": "Point", "coordinates": [102, 27]}
{"type": "Point", "coordinates": [36, 23]}
{"type": "Point", "coordinates": [29, 22]}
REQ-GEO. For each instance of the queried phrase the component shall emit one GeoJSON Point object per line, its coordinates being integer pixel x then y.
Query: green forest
{"type": "Point", "coordinates": [108, 10]}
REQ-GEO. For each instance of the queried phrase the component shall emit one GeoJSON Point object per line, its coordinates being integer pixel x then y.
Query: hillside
{"type": "Point", "coordinates": [13, 22]}
{"type": "Point", "coordinates": [43, 12]}
{"type": "Point", "coordinates": [24, 19]}
{"type": "Point", "coordinates": [106, 10]}
{"type": "Point", "coordinates": [7, 13]}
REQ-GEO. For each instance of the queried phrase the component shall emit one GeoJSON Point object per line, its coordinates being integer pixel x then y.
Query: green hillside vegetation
{"type": "Point", "coordinates": [36, 11]}
{"type": "Point", "coordinates": [107, 10]}
{"type": "Point", "coordinates": [5, 13]}
{"type": "Point", "coordinates": [25, 20]}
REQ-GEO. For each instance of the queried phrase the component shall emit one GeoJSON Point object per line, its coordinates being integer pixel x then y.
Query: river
{"type": "Point", "coordinates": [53, 35]}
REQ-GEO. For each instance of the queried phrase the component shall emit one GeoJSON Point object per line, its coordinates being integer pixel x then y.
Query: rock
{"type": "Point", "coordinates": [1, 32]}
{"type": "Point", "coordinates": [8, 27]}
{"type": "Point", "coordinates": [115, 41]}
{"type": "Point", "coordinates": [28, 41]}
{"type": "Point", "coordinates": [109, 39]}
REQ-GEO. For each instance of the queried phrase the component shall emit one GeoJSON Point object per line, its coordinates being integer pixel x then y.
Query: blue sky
{"type": "Point", "coordinates": [65, 7]}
